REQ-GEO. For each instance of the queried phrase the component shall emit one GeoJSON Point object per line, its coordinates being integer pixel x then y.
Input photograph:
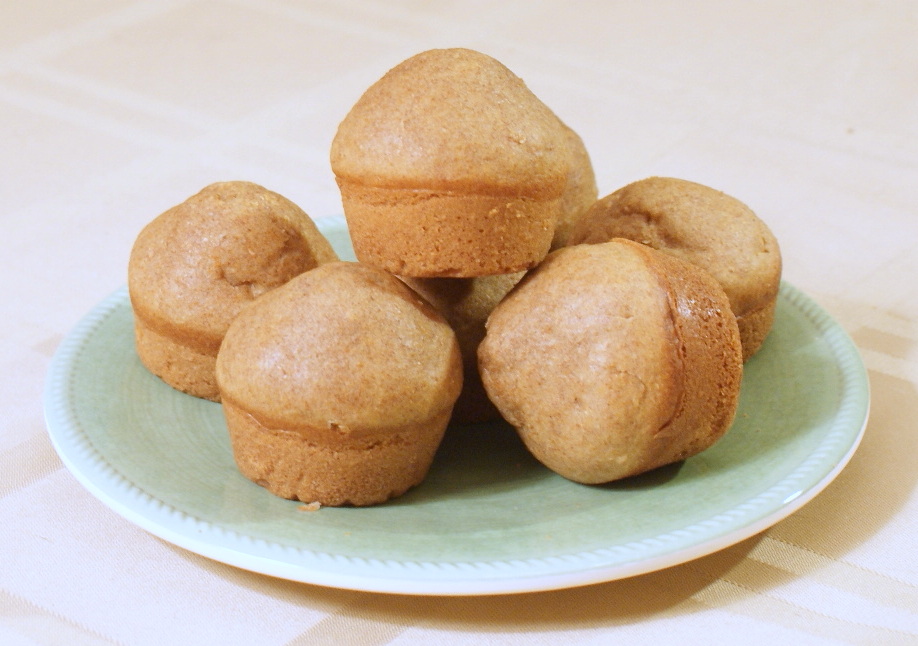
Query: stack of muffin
{"type": "Point", "coordinates": [491, 283]}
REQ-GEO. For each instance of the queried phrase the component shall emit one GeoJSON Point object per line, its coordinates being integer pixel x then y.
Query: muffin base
{"type": "Point", "coordinates": [186, 369]}
{"type": "Point", "coordinates": [422, 233]}
{"type": "Point", "coordinates": [754, 326]}
{"type": "Point", "coordinates": [359, 472]}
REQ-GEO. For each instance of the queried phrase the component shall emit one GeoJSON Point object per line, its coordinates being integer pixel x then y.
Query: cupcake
{"type": "Point", "coordinates": [613, 359]}
{"type": "Point", "coordinates": [337, 387]}
{"type": "Point", "coordinates": [449, 166]}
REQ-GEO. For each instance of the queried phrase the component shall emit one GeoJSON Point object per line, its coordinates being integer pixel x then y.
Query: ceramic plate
{"type": "Point", "coordinates": [489, 518]}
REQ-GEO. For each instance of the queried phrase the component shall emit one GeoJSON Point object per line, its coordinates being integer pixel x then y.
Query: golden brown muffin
{"type": "Point", "coordinates": [705, 227]}
{"type": "Point", "coordinates": [466, 304]}
{"type": "Point", "coordinates": [193, 268]}
{"type": "Point", "coordinates": [580, 192]}
{"type": "Point", "coordinates": [450, 166]}
{"type": "Point", "coordinates": [337, 387]}
{"type": "Point", "coordinates": [613, 359]}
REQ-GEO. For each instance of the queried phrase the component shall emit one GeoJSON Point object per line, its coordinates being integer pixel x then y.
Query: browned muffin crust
{"type": "Point", "coordinates": [613, 359]}
{"type": "Point", "coordinates": [466, 303]}
{"type": "Point", "coordinates": [450, 166]}
{"type": "Point", "coordinates": [194, 267]}
{"type": "Point", "coordinates": [703, 226]}
{"type": "Point", "coordinates": [580, 192]}
{"type": "Point", "coordinates": [338, 386]}
{"type": "Point", "coordinates": [361, 472]}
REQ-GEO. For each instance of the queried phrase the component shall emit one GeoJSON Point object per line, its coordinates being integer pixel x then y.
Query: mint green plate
{"type": "Point", "coordinates": [488, 519]}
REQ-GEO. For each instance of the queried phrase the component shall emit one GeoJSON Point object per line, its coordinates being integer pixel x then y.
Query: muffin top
{"type": "Point", "coordinates": [194, 267]}
{"type": "Point", "coordinates": [698, 224]}
{"type": "Point", "coordinates": [452, 119]}
{"type": "Point", "coordinates": [343, 350]}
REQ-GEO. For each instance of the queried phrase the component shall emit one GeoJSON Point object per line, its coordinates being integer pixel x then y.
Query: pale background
{"type": "Point", "coordinates": [112, 111]}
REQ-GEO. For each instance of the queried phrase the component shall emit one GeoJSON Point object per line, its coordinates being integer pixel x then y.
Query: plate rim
{"type": "Point", "coordinates": [441, 577]}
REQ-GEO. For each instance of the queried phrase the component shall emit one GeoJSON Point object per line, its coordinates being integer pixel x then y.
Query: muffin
{"type": "Point", "coordinates": [193, 268]}
{"type": "Point", "coordinates": [466, 303]}
{"type": "Point", "coordinates": [705, 227]}
{"type": "Point", "coordinates": [337, 387]}
{"type": "Point", "coordinates": [449, 166]}
{"type": "Point", "coordinates": [613, 359]}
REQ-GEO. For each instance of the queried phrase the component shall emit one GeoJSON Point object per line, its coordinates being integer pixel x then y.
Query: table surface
{"type": "Point", "coordinates": [113, 111]}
